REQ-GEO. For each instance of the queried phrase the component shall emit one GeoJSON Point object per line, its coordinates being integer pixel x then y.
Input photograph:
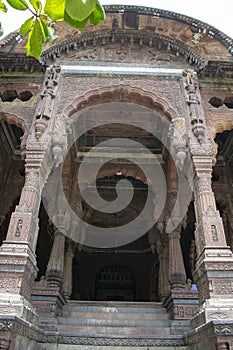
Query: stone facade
{"type": "Point", "coordinates": [144, 99]}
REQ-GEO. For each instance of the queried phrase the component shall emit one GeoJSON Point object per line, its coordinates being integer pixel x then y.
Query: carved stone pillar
{"type": "Point", "coordinates": [54, 273]}
{"type": "Point", "coordinates": [68, 269]}
{"type": "Point", "coordinates": [163, 287]}
{"type": "Point", "coordinates": [23, 226]}
{"type": "Point", "coordinates": [177, 274]}
{"type": "Point", "coordinates": [214, 265]}
{"type": "Point", "coordinates": [212, 251]}
{"type": "Point", "coordinates": [19, 247]}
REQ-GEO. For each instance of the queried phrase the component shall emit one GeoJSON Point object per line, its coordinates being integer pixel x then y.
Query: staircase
{"type": "Point", "coordinates": [117, 325]}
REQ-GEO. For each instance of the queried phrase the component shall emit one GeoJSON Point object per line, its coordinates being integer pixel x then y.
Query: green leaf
{"type": "Point", "coordinates": [46, 30]}
{"type": "Point", "coordinates": [36, 4]}
{"type": "Point", "coordinates": [98, 15]}
{"type": "Point", "coordinates": [55, 9]}
{"type": "Point", "coordinates": [79, 10]}
{"type": "Point", "coordinates": [26, 26]}
{"type": "Point", "coordinates": [75, 23]}
{"type": "Point", "coordinates": [1, 31]}
{"type": "Point", "coordinates": [18, 4]}
{"type": "Point", "coordinates": [2, 6]}
{"type": "Point", "coordinates": [35, 43]}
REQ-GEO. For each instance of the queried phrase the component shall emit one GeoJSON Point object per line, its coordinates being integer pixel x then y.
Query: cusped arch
{"type": "Point", "coordinates": [223, 125]}
{"type": "Point", "coordinates": [121, 93]}
{"type": "Point", "coordinates": [19, 122]}
{"type": "Point", "coordinates": [220, 125]}
{"type": "Point", "coordinates": [14, 119]}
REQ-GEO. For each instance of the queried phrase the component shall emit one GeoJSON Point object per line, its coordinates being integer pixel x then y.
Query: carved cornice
{"type": "Point", "coordinates": [134, 37]}
{"type": "Point", "coordinates": [150, 11]}
{"type": "Point", "coordinates": [217, 70]}
{"type": "Point", "coordinates": [19, 63]}
{"type": "Point", "coordinates": [110, 341]}
{"type": "Point", "coordinates": [21, 327]}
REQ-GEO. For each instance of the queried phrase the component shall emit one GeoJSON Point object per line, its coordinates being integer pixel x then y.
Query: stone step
{"type": "Point", "coordinates": [112, 331]}
{"type": "Point", "coordinates": [94, 347]}
{"type": "Point", "coordinates": [115, 315]}
{"type": "Point", "coordinates": [71, 341]}
{"type": "Point", "coordinates": [115, 307]}
{"type": "Point", "coordinates": [180, 327]}
{"type": "Point", "coordinates": [108, 320]}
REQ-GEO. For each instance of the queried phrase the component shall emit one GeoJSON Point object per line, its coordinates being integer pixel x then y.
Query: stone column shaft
{"type": "Point", "coordinates": [19, 247]}
{"type": "Point", "coordinates": [55, 268]}
{"type": "Point", "coordinates": [163, 287]}
{"type": "Point", "coordinates": [68, 272]}
{"type": "Point", "coordinates": [209, 227]}
{"type": "Point", "coordinates": [177, 274]}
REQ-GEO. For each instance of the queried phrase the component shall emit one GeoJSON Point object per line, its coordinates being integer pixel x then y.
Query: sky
{"type": "Point", "coordinates": [215, 13]}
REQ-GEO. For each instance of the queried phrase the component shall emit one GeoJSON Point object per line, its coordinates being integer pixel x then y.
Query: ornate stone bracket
{"type": "Point", "coordinates": [46, 103]}
{"type": "Point", "coordinates": [195, 110]}
{"type": "Point", "coordinates": [178, 138]}
{"type": "Point", "coordinates": [61, 130]}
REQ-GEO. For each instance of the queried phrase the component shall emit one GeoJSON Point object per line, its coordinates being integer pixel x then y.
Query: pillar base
{"type": "Point", "coordinates": [48, 302]}
{"type": "Point", "coordinates": [17, 269]}
{"type": "Point", "coordinates": [181, 304]}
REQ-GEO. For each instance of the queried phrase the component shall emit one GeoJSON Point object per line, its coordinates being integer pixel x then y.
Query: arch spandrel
{"type": "Point", "coordinates": [121, 93]}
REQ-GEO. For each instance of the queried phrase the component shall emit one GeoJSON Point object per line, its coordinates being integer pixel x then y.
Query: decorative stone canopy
{"type": "Point", "coordinates": [157, 32]}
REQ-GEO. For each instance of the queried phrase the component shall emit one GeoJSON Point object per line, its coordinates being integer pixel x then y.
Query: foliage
{"type": "Point", "coordinates": [39, 26]}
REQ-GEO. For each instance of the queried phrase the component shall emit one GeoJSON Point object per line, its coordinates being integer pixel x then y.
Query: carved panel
{"type": "Point", "coordinates": [117, 52]}
{"type": "Point", "coordinates": [72, 87]}
{"type": "Point", "coordinates": [184, 312]}
{"type": "Point", "coordinates": [223, 287]}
